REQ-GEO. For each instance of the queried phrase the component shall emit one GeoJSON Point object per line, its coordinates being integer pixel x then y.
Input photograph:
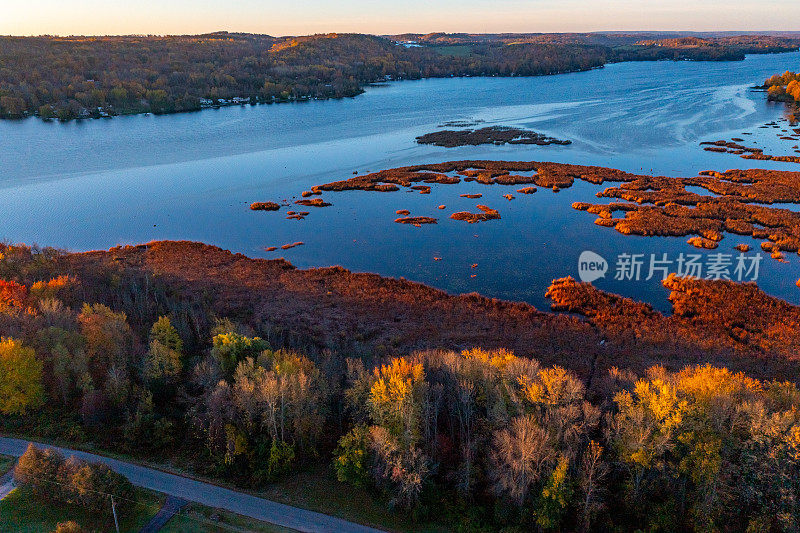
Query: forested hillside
{"type": "Point", "coordinates": [82, 77]}
{"type": "Point", "coordinates": [250, 371]}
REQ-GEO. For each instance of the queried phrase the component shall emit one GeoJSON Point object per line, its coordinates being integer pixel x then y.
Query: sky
{"type": "Point", "coordinates": [300, 17]}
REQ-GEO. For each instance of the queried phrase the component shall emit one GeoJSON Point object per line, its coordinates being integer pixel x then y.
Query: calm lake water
{"type": "Point", "coordinates": [95, 184]}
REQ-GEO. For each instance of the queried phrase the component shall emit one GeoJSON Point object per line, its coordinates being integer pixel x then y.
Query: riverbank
{"type": "Point", "coordinates": [719, 322]}
{"type": "Point", "coordinates": [222, 69]}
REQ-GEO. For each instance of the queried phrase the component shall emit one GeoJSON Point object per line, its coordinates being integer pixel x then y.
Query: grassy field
{"type": "Point", "coordinates": [20, 512]}
{"type": "Point", "coordinates": [319, 490]}
{"type": "Point", "coordinates": [6, 463]}
{"type": "Point", "coordinates": [458, 50]}
{"type": "Point", "coordinates": [196, 518]}
{"type": "Point", "coordinates": [316, 489]}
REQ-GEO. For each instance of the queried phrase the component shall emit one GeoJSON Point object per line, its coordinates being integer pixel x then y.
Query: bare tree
{"type": "Point", "coordinates": [592, 474]}
{"type": "Point", "coordinates": [520, 453]}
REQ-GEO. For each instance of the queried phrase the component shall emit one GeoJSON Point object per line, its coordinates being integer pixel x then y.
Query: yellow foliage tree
{"type": "Point", "coordinates": [43, 290]}
{"type": "Point", "coordinates": [646, 423]}
{"type": "Point", "coordinates": [396, 397]}
{"type": "Point", "coordinates": [20, 378]}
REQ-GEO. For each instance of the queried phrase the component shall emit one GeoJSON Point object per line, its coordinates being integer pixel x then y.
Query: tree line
{"type": "Point", "coordinates": [90, 77]}
{"type": "Point", "coordinates": [479, 439]}
{"type": "Point", "coordinates": [52, 478]}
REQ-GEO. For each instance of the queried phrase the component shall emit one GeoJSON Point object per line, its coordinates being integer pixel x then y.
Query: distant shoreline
{"type": "Point", "coordinates": [78, 78]}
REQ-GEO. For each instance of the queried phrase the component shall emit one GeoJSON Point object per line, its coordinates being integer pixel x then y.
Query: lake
{"type": "Point", "coordinates": [96, 184]}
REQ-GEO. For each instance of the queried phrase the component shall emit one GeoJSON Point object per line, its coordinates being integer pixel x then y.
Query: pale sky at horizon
{"type": "Point", "coordinates": [116, 17]}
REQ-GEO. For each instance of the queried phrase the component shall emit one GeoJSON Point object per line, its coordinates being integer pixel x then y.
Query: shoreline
{"type": "Point", "coordinates": [304, 100]}
{"type": "Point", "coordinates": [395, 316]}
{"type": "Point", "coordinates": [243, 101]}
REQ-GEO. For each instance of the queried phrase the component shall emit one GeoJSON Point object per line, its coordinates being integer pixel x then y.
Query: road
{"type": "Point", "coordinates": [164, 515]}
{"type": "Point", "coordinates": [7, 485]}
{"type": "Point", "coordinates": [206, 493]}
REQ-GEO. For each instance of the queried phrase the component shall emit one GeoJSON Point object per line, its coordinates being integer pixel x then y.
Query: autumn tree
{"type": "Point", "coordinates": [396, 398]}
{"type": "Point", "coordinates": [69, 526]}
{"type": "Point", "coordinates": [52, 478]}
{"type": "Point", "coordinates": [785, 87]}
{"type": "Point", "coordinates": [698, 443]}
{"type": "Point", "coordinates": [90, 485]}
{"type": "Point", "coordinates": [13, 296]}
{"type": "Point", "coordinates": [53, 288]}
{"type": "Point", "coordinates": [109, 340]}
{"type": "Point", "coordinates": [39, 470]}
{"type": "Point", "coordinates": [267, 414]}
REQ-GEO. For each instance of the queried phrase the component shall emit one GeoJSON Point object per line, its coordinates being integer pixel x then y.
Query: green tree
{"type": "Point", "coordinates": [229, 349]}
{"type": "Point", "coordinates": [165, 333]}
{"type": "Point", "coordinates": [65, 360]}
{"type": "Point", "coordinates": [555, 497]}
{"type": "Point", "coordinates": [164, 358]}
{"type": "Point", "coordinates": [47, 112]}
{"type": "Point", "coordinates": [350, 457]}
{"type": "Point", "coordinates": [20, 378]}
{"type": "Point", "coordinates": [281, 457]}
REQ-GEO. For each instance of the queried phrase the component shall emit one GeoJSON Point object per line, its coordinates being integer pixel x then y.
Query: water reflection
{"type": "Point", "coordinates": [96, 184]}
